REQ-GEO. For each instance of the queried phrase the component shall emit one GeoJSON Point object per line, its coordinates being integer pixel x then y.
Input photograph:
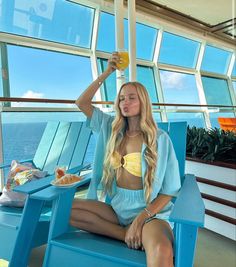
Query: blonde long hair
{"type": "Point", "coordinates": [149, 131]}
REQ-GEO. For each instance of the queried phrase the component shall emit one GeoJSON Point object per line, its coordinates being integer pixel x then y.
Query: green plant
{"type": "Point", "coordinates": [211, 144]}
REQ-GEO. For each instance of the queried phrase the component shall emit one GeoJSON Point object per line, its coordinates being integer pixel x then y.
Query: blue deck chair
{"type": "Point", "coordinates": [67, 247]}
{"type": "Point", "coordinates": [62, 144]}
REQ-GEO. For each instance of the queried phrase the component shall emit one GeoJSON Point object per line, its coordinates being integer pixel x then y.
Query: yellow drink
{"type": "Point", "coordinates": [124, 57]}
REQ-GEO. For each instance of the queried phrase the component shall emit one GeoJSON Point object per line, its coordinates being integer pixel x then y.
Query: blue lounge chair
{"type": "Point", "coordinates": [72, 248]}
{"type": "Point", "coordinates": [62, 144]}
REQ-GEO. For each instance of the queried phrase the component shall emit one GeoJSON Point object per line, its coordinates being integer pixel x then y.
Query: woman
{"type": "Point", "coordinates": [140, 174]}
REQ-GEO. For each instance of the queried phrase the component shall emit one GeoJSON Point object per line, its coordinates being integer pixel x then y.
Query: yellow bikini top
{"type": "Point", "coordinates": [132, 162]}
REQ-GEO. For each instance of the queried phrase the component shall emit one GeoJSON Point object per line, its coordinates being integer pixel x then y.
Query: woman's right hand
{"type": "Point", "coordinates": [112, 61]}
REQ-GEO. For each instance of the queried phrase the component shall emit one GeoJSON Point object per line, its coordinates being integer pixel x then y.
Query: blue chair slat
{"type": "Point", "coordinates": [45, 144]}
{"type": "Point", "coordinates": [70, 144]}
{"type": "Point", "coordinates": [7, 210]}
{"type": "Point", "coordinates": [73, 247]}
{"type": "Point", "coordinates": [58, 144]}
{"type": "Point", "coordinates": [82, 144]}
{"type": "Point", "coordinates": [177, 132]}
{"type": "Point", "coordinates": [57, 147]}
{"type": "Point", "coordinates": [9, 221]}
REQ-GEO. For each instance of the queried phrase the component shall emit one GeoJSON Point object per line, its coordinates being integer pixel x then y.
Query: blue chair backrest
{"type": "Point", "coordinates": [60, 144]}
{"type": "Point", "coordinates": [178, 135]}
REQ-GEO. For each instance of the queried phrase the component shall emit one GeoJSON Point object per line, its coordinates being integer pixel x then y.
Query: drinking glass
{"type": "Point", "coordinates": [123, 62]}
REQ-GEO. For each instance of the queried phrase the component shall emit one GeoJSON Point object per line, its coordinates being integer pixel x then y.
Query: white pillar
{"type": "Point", "coordinates": [119, 34]}
{"type": "Point", "coordinates": [132, 39]}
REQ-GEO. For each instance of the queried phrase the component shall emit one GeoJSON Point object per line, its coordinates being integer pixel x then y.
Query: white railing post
{"type": "Point", "coordinates": [119, 34]}
{"type": "Point", "coordinates": [132, 39]}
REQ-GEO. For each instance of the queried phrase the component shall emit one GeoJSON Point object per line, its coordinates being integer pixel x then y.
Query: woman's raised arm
{"type": "Point", "coordinates": [85, 99]}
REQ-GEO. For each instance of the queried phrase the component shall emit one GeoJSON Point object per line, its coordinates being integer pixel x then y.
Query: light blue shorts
{"type": "Point", "coordinates": [127, 204]}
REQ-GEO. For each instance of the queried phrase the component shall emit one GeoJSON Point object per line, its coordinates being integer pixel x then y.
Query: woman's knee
{"type": "Point", "coordinates": [165, 249]}
{"type": "Point", "coordinates": [161, 250]}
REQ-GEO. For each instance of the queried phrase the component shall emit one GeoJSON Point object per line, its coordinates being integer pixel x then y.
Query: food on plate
{"type": "Point", "coordinates": [59, 172]}
{"type": "Point", "coordinates": [68, 179]}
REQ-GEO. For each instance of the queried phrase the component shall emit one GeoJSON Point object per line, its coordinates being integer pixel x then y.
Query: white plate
{"type": "Point", "coordinates": [54, 183]}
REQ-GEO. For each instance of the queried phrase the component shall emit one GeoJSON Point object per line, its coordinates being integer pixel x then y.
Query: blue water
{"type": "Point", "coordinates": [20, 140]}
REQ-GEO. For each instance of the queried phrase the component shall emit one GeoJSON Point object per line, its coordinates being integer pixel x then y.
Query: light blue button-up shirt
{"type": "Point", "coordinates": [167, 178]}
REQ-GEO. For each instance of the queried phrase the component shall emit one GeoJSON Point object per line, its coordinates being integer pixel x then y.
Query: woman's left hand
{"type": "Point", "coordinates": [133, 236]}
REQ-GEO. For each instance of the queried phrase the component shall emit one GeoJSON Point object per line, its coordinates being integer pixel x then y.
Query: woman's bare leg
{"type": "Point", "coordinates": [157, 239]}
{"type": "Point", "coordinates": [96, 217]}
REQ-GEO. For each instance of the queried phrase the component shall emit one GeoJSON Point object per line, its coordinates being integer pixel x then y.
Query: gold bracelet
{"type": "Point", "coordinates": [148, 212]}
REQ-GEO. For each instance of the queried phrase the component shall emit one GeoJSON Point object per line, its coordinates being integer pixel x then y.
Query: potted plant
{"type": "Point", "coordinates": [211, 145]}
{"type": "Point", "coordinates": [211, 157]}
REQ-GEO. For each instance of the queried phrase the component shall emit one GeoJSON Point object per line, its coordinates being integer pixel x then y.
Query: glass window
{"type": "Point", "coordinates": [36, 73]}
{"type": "Point", "coordinates": [193, 119]}
{"type": "Point", "coordinates": [216, 91]}
{"type": "Point", "coordinates": [145, 40]}
{"type": "Point", "coordinates": [43, 20]}
{"type": "Point", "coordinates": [146, 77]}
{"type": "Point", "coordinates": [179, 88]}
{"type": "Point", "coordinates": [216, 60]}
{"type": "Point", "coordinates": [214, 118]}
{"type": "Point", "coordinates": [145, 35]}
{"type": "Point", "coordinates": [108, 88]}
{"type": "Point", "coordinates": [106, 33]}
{"type": "Point", "coordinates": [177, 50]}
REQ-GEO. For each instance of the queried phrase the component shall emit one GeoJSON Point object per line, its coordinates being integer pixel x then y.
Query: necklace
{"type": "Point", "coordinates": [133, 135]}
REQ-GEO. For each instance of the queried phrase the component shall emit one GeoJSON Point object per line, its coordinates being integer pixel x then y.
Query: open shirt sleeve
{"type": "Point", "coordinates": [97, 120]}
{"type": "Point", "coordinates": [167, 167]}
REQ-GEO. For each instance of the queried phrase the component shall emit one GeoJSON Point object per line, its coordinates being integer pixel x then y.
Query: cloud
{"type": "Point", "coordinates": [32, 94]}
{"type": "Point", "coordinates": [28, 94]}
{"type": "Point", "coordinates": [172, 80]}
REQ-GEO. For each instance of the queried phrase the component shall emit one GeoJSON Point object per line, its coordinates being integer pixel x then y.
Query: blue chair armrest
{"type": "Point", "coordinates": [52, 192]}
{"type": "Point", "coordinates": [189, 207]}
{"type": "Point", "coordinates": [2, 166]}
{"type": "Point", "coordinates": [32, 187]}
